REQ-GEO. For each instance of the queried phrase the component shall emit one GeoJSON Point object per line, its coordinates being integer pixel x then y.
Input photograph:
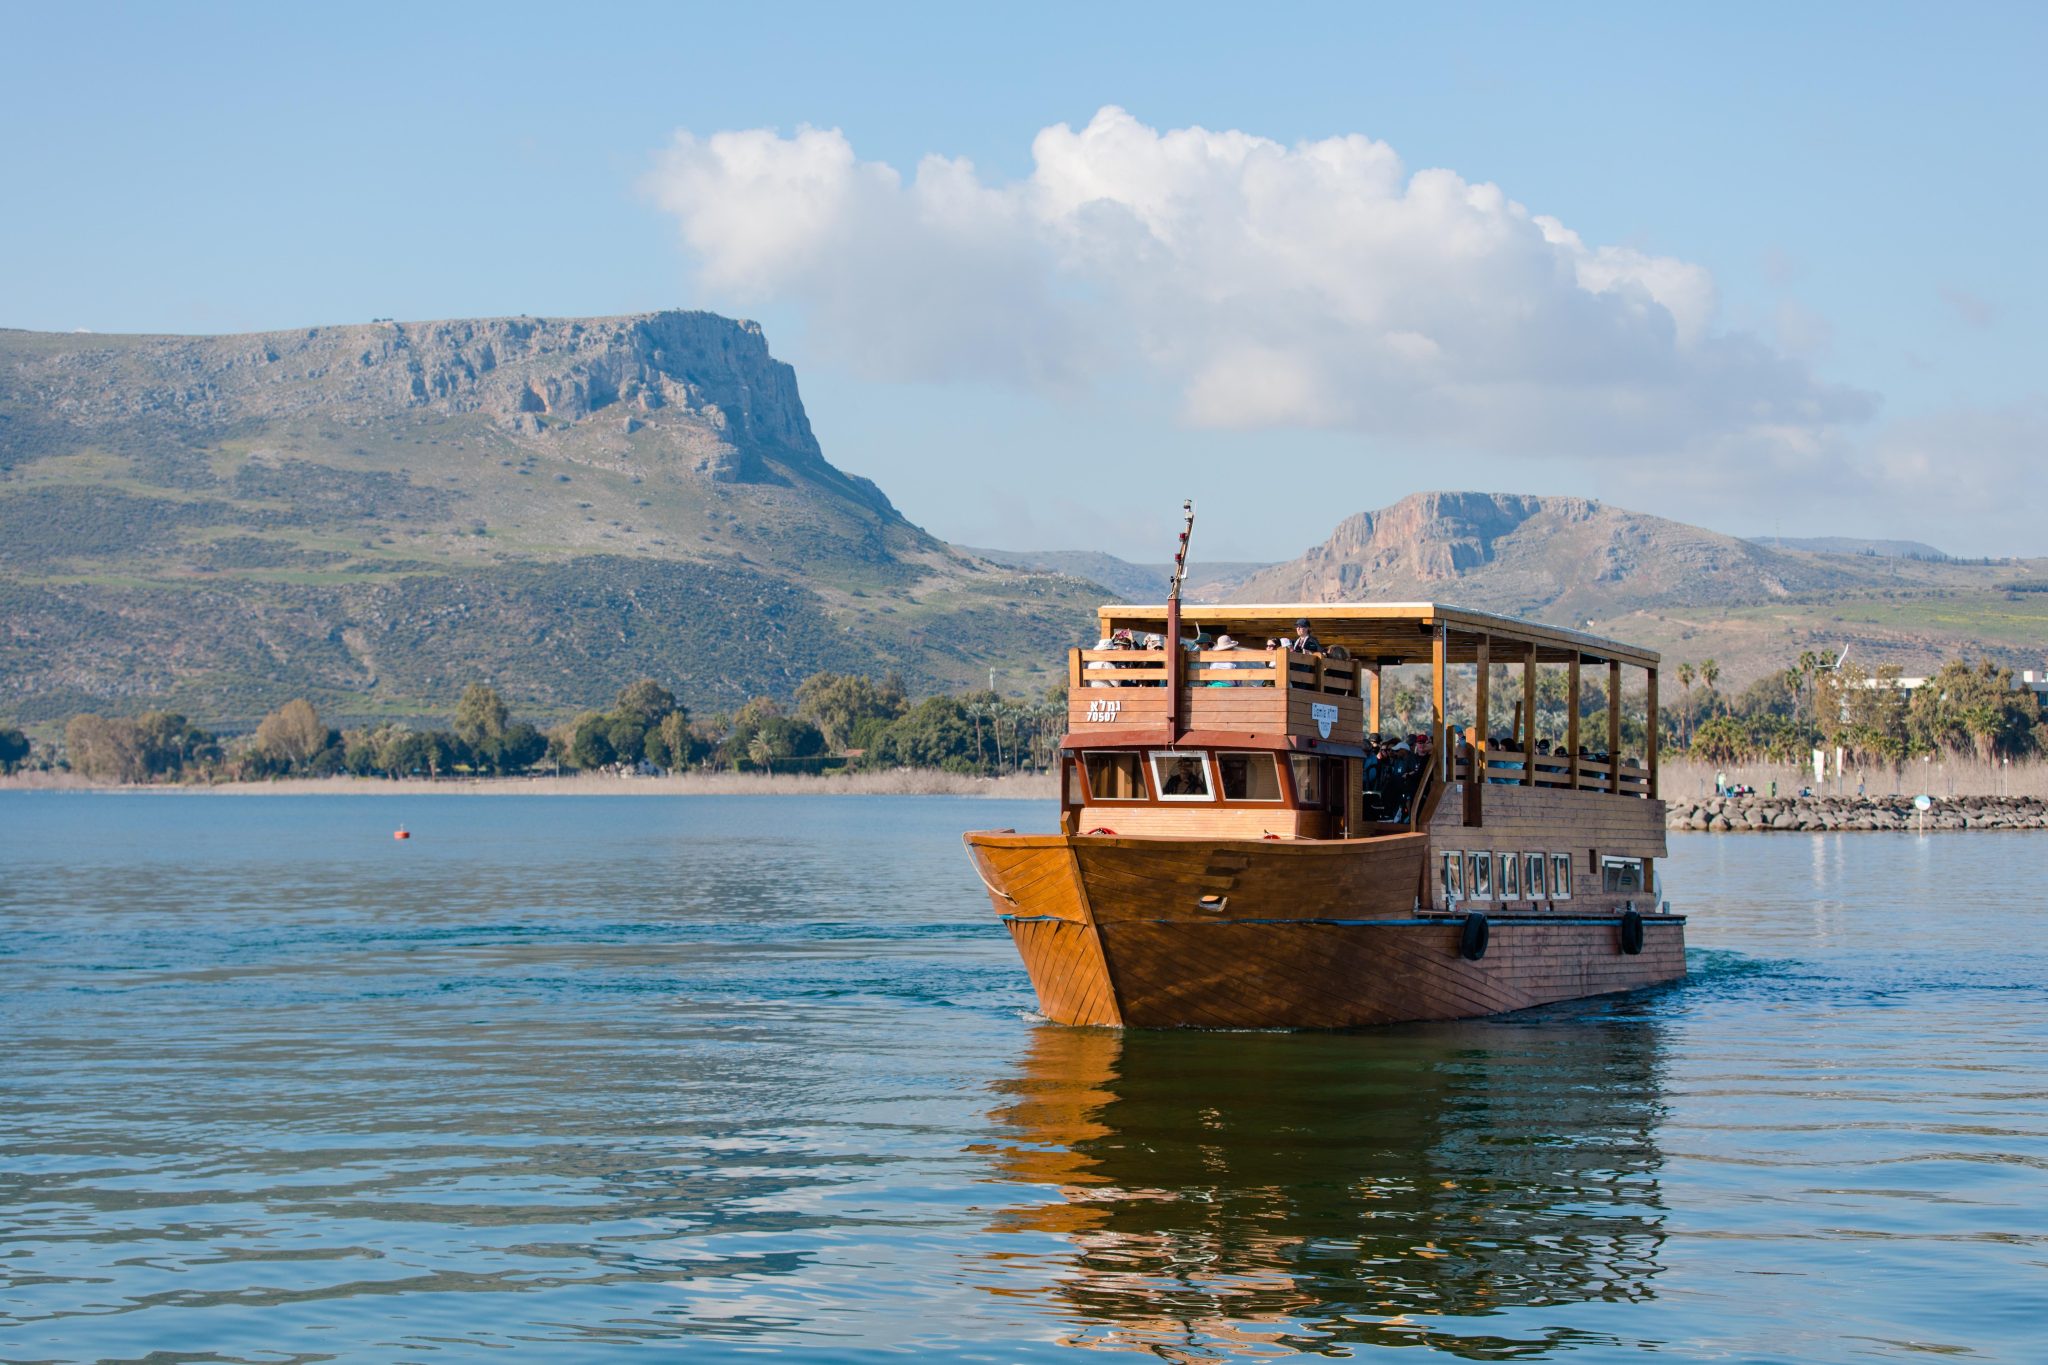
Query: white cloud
{"type": "Point", "coordinates": [1318, 285]}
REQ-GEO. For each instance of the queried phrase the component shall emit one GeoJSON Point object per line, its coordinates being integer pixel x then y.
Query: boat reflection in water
{"type": "Point", "coordinates": [1478, 1188]}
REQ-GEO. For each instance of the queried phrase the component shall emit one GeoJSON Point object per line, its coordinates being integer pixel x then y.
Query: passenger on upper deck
{"type": "Point", "coordinates": [1119, 639]}
{"type": "Point", "coordinates": [1501, 744]}
{"type": "Point", "coordinates": [1226, 642]}
{"type": "Point", "coordinates": [1304, 641]}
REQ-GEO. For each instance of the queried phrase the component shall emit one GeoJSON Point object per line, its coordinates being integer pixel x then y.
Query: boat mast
{"type": "Point", "coordinates": [1175, 666]}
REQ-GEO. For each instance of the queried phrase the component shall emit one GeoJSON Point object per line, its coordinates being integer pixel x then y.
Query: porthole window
{"type": "Point", "coordinates": [1453, 873]}
{"type": "Point", "coordinates": [1533, 880]}
{"type": "Point", "coordinates": [1560, 876]}
{"type": "Point", "coordinates": [1181, 775]}
{"type": "Point", "coordinates": [1479, 875]}
{"type": "Point", "coordinates": [1509, 877]}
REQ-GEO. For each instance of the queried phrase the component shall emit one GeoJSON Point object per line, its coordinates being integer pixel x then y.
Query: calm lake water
{"type": "Point", "coordinates": [760, 1076]}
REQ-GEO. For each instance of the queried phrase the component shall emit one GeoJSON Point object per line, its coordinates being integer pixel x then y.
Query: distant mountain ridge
{"type": "Point", "coordinates": [1525, 554]}
{"type": "Point", "coordinates": [1694, 592]}
{"type": "Point", "coordinates": [1851, 545]}
{"type": "Point", "coordinates": [374, 515]}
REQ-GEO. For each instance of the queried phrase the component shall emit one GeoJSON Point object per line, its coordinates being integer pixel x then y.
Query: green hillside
{"type": "Point", "coordinates": [374, 516]}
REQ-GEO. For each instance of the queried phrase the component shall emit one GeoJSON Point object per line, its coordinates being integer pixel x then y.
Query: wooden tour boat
{"type": "Point", "coordinates": [1220, 862]}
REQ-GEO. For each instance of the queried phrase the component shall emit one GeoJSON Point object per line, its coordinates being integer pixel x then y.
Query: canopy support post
{"type": "Point", "coordinates": [1571, 720]}
{"type": "Point", "coordinates": [1439, 666]}
{"type": "Point", "coordinates": [1475, 799]}
{"type": "Point", "coordinates": [1614, 726]}
{"type": "Point", "coordinates": [1651, 741]}
{"type": "Point", "coordinates": [1529, 718]}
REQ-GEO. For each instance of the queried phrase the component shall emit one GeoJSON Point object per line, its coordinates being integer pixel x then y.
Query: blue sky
{"type": "Point", "coordinates": [1859, 183]}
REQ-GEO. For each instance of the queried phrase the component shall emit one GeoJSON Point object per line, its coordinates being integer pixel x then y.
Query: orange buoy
{"type": "Point", "coordinates": [402, 833]}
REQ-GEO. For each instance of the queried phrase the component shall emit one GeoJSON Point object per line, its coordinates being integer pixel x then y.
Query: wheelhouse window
{"type": "Point", "coordinates": [1453, 872]}
{"type": "Point", "coordinates": [1479, 875]}
{"type": "Point", "coordinates": [1509, 878]}
{"type": "Point", "coordinates": [1308, 779]}
{"type": "Point", "coordinates": [1560, 876]}
{"type": "Point", "coordinates": [1249, 777]}
{"type": "Point", "coordinates": [1533, 879]}
{"type": "Point", "coordinates": [1114, 776]}
{"type": "Point", "coordinates": [1621, 874]}
{"type": "Point", "coordinates": [1181, 776]}
{"type": "Point", "coordinates": [1077, 795]}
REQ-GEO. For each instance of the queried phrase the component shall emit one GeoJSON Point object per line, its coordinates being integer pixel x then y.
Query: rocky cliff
{"type": "Point", "coordinates": [693, 392]}
{"type": "Point", "coordinates": [1538, 555]}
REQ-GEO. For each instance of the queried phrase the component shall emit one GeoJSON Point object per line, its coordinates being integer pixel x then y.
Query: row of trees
{"type": "Point", "coordinates": [838, 720]}
{"type": "Point", "coordinates": [1965, 708]}
{"type": "Point", "coordinates": [292, 740]}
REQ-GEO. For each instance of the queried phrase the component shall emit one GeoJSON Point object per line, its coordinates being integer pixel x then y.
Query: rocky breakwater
{"type": "Point", "coordinates": [1765, 814]}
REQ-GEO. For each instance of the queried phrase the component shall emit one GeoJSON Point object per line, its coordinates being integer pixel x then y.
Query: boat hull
{"type": "Point", "coordinates": [1182, 932]}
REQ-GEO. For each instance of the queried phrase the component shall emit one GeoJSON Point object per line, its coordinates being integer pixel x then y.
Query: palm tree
{"type": "Point", "coordinates": [996, 712]}
{"type": "Point", "coordinates": [762, 752]}
{"type": "Point", "coordinates": [1710, 673]}
{"type": "Point", "coordinates": [1804, 674]}
{"type": "Point", "coordinates": [1685, 676]}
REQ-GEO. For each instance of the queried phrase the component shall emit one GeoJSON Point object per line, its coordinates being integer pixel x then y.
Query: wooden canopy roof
{"type": "Point", "coordinates": [1387, 632]}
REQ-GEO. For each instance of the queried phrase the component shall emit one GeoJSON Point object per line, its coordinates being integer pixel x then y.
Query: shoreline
{"type": "Point", "coordinates": [1711, 815]}
{"type": "Point", "coordinates": [896, 782]}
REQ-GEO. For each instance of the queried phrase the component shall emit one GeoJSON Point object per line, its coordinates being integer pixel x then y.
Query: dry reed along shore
{"type": "Point", "coordinates": [1964, 794]}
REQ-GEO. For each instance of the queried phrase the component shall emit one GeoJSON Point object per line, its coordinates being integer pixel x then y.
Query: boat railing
{"type": "Point", "coordinates": [1511, 767]}
{"type": "Point", "coordinates": [1217, 668]}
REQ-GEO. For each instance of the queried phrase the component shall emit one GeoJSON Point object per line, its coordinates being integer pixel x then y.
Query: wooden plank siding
{"type": "Point", "coordinates": [1165, 879]}
{"type": "Point", "coordinates": [1206, 820]}
{"type": "Point", "coordinates": [1156, 932]}
{"type": "Point", "coordinates": [1034, 884]}
{"type": "Point", "coordinates": [1588, 825]}
{"type": "Point", "coordinates": [1351, 976]}
{"type": "Point", "coordinates": [1122, 715]}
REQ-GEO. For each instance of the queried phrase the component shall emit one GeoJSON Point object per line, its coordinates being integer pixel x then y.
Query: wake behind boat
{"type": "Point", "coordinates": [1233, 854]}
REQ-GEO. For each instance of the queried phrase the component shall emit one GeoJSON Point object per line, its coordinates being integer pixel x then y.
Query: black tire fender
{"type": "Point", "coordinates": [1472, 936]}
{"type": "Point", "coordinates": [1631, 931]}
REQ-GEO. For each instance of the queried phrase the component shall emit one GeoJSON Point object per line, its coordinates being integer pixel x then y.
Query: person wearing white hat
{"type": "Point", "coordinates": [1226, 642]}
